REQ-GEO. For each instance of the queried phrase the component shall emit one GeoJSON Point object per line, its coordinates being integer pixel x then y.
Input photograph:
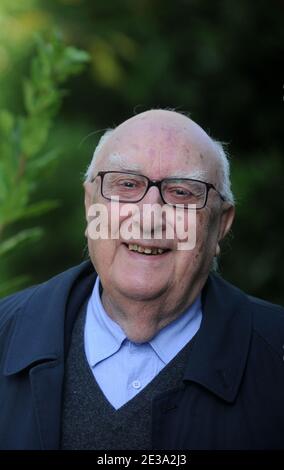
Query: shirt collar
{"type": "Point", "coordinates": [173, 337]}
{"type": "Point", "coordinates": [104, 337]}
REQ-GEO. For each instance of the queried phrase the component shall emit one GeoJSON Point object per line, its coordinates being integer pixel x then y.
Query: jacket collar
{"type": "Point", "coordinates": [45, 336]}
{"type": "Point", "coordinates": [221, 346]}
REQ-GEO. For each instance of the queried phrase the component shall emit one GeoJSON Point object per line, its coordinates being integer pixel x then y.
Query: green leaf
{"type": "Point", "coordinates": [29, 96]}
{"type": "Point", "coordinates": [7, 121]}
{"type": "Point", "coordinates": [40, 162]}
{"type": "Point", "coordinates": [77, 55]}
{"type": "Point", "coordinates": [39, 209]}
{"type": "Point", "coordinates": [22, 237]}
{"type": "Point", "coordinates": [34, 135]}
{"type": "Point", "coordinates": [15, 203]}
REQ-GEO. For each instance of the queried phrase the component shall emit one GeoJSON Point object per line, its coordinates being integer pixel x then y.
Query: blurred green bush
{"type": "Point", "coordinates": [22, 142]}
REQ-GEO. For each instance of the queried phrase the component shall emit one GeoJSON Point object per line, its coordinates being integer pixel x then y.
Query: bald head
{"type": "Point", "coordinates": [167, 120]}
{"type": "Point", "coordinates": [168, 142]}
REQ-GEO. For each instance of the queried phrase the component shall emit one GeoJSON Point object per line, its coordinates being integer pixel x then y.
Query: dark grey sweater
{"type": "Point", "coordinates": [89, 421]}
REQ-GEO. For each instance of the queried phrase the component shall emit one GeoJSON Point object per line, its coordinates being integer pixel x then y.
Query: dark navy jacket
{"type": "Point", "coordinates": [232, 396]}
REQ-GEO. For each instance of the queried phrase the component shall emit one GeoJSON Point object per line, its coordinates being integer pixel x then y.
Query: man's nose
{"type": "Point", "coordinates": [152, 219]}
{"type": "Point", "coordinates": [153, 196]}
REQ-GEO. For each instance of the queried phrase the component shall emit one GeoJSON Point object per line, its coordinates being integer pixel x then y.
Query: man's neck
{"type": "Point", "coordinates": [142, 320]}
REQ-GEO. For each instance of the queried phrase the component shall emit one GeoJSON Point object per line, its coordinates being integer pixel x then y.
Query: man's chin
{"type": "Point", "coordinates": [142, 291]}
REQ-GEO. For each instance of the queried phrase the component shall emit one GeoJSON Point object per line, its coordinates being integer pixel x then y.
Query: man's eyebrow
{"type": "Point", "coordinates": [194, 174]}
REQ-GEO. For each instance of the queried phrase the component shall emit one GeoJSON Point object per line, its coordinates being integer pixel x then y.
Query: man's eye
{"type": "Point", "coordinates": [127, 184]}
{"type": "Point", "coordinates": [180, 192]}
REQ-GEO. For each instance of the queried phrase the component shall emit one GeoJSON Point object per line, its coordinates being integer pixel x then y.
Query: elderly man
{"type": "Point", "coordinates": [143, 347]}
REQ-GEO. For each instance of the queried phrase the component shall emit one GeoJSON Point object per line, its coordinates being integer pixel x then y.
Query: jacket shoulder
{"type": "Point", "coordinates": [11, 305]}
{"type": "Point", "coordinates": [267, 318]}
{"type": "Point", "coordinates": [268, 323]}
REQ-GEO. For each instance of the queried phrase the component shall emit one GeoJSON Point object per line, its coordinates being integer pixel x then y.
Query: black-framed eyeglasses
{"type": "Point", "coordinates": [131, 187]}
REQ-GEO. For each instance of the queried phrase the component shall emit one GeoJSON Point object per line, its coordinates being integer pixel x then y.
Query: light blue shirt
{"type": "Point", "coordinates": [123, 368]}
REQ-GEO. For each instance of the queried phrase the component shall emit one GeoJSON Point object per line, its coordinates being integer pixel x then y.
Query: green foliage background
{"type": "Point", "coordinates": [220, 61]}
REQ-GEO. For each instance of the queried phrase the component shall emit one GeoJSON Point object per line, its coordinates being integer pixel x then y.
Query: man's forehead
{"type": "Point", "coordinates": [119, 162]}
{"type": "Point", "coordinates": [165, 141]}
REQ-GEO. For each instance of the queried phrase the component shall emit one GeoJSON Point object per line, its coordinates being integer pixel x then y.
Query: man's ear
{"type": "Point", "coordinates": [89, 196]}
{"type": "Point", "coordinates": [90, 189]}
{"type": "Point", "coordinates": [227, 218]}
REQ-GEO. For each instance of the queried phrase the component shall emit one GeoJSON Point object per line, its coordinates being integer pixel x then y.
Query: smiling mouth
{"type": "Point", "coordinates": [149, 251]}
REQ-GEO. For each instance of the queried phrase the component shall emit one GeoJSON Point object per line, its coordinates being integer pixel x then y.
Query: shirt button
{"type": "Point", "coordinates": [136, 384]}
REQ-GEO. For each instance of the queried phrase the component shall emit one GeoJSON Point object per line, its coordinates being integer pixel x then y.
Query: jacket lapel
{"type": "Point", "coordinates": [216, 361]}
{"type": "Point", "coordinates": [220, 351]}
{"type": "Point", "coordinates": [46, 381]}
{"type": "Point", "coordinates": [39, 345]}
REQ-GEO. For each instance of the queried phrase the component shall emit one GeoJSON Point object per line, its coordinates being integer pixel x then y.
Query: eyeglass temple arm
{"type": "Point", "coordinates": [209, 185]}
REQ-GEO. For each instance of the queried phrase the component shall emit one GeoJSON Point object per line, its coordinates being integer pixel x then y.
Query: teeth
{"type": "Point", "coordinates": [147, 251]}
{"type": "Point", "coordinates": [132, 247]}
